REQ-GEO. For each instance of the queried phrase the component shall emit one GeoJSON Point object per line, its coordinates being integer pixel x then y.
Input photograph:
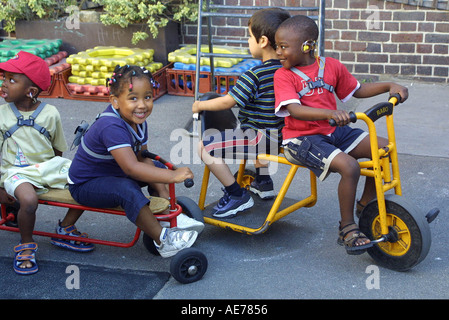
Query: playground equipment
{"type": "Point", "coordinates": [398, 230]}
{"type": "Point", "coordinates": [188, 265]}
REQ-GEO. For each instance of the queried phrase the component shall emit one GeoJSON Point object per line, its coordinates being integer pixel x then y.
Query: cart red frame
{"type": "Point", "coordinates": [174, 209]}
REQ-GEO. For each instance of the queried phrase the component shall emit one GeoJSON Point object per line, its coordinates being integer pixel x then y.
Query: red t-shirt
{"type": "Point", "coordinates": [288, 84]}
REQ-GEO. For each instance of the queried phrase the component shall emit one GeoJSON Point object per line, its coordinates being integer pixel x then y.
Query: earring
{"type": "Point", "coordinates": [33, 99]}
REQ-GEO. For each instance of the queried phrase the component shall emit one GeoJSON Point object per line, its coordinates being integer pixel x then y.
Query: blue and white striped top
{"type": "Point", "coordinates": [254, 94]}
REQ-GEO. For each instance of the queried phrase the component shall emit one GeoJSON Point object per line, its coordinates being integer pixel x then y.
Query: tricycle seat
{"type": "Point", "coordinates": [63, 196]}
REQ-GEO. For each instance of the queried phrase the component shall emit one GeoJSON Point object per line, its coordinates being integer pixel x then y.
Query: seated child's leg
{"type": "Point", "coordinates": [262, 184]}
{"type": "Point", "coordinates": [262, 168]}
{"type": "Point", "coordinates": [218, 167]}
{"type": "Point", "coordinates": [67, 227]}
{"type": "Point", "coordinates": [363, 150]}
{"type": "Point", "coordinates": [236, 198]}
{"type": "Point", "coordinates": [110, 192]}
{"type": "Point", "coordinates": [349, 170]}
{"type": "Point", "coordinates": [71, 217]}
{"type": "Point", "coordinates": [27, 197]}
{"type": "Point", "coordinates": [149, 224]}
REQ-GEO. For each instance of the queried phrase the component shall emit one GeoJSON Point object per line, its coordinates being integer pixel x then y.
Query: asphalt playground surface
{"type": "Point", "coordinates": [297, 258]}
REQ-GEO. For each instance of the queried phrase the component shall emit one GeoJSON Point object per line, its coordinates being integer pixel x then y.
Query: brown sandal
{"type": "Point", "coordinates": [349, 241]}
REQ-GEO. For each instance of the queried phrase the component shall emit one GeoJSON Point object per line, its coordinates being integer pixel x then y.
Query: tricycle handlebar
{"type": "Point", "coordinates": [352, 117]}
{"type": "Point", "coordinates": [188, 183]}
{"type": "Point", "coordinates": [377, 111]}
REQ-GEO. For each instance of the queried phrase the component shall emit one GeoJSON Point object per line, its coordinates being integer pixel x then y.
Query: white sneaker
{"type": "Point", "coordinates": [184, 222]}
{"type": "Point", "coordinates": [174, 240]}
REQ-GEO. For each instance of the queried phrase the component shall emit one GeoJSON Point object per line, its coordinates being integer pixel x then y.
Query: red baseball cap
{"type": "Point", "coordinates": [35, 68]}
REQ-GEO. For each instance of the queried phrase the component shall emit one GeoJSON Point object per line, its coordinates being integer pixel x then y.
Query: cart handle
{"type": "Point", "coordinates": [188, 183]}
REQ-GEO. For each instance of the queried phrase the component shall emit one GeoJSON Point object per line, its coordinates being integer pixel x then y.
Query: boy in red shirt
{"type": "Point", "coordinates": [304, 90]}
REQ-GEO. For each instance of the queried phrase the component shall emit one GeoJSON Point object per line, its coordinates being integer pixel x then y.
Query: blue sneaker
{"type": "Point", "coordinates": [229, 205]}
{"type": "Point", "coordinates": [264, 189]}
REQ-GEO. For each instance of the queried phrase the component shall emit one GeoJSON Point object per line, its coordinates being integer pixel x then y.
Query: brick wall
{"type": "Point", "coordinates": [374, 39]}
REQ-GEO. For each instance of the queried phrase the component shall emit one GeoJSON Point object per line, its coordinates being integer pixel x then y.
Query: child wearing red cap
{"type": "Point", "coordinates": [31, 142]}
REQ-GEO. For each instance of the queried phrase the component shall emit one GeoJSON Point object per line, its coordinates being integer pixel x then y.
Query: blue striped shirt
{"type": "Point", "coordinates": [254, 94]}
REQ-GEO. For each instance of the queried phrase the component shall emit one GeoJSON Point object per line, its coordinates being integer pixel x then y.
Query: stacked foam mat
{"type": "Point", "coordinates": [181, 78]}
{"type": "Point", "coordinates": [47, 49]}
{"type": "Point", "coordinates": [91, 68]}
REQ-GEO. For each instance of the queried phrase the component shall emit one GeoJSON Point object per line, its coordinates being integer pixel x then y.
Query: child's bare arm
{"type": "Point", "coordinates": [160, 188]}
{"type": "Point", "coordinates": [217, 104]}
{"type": "Point", "coordinates": [145, 172]}
{"type": "Point", "coordinates": [368, 90]}
{"type": "Point", "coordinates": [306, 113]}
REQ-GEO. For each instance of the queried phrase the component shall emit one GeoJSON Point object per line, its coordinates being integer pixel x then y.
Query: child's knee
{"type": "Point", "coordinates": [352, 169]}
{"type": "Point", "coordinates": [349, 168]}
{"type": "Point", "coordinates": [28, 204]}
{"type": "Point", "coordinates": [382, 142]}
{"type": "Point", "coordinates": [200, 148]}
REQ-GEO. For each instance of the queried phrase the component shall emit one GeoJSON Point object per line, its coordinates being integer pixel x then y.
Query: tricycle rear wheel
{"type": "Point", "coordinates": [248, 177]}
{"type": "Point", "coordinates": [409, 233]}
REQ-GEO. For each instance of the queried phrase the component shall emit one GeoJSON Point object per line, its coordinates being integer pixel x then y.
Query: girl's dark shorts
{"type": "Point", "coordinates": [111, 192]}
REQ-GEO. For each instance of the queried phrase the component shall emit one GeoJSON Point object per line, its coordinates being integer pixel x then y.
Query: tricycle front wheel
{"type": "Point", "coordinates": [409, 233]}
{"type": "Point", "coordinates": [188, 265]}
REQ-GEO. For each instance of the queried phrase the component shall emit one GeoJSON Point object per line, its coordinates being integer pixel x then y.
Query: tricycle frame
{"type": "Point", "coordinates": [386, 178]}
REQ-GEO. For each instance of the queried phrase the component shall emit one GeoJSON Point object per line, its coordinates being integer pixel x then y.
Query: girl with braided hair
{"type": "Point", "coordinates": [108, 169]}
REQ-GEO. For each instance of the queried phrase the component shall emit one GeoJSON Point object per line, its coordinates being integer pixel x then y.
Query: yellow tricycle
{"type": "Point", "coordinates": [398, 230]}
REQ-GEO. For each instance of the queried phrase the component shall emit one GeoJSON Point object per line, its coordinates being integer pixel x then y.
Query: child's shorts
{"type": "Point", "coordinates": [48, 174]}
{"type": "Point", "coordinates": [316, 152]}
{"type": "Point", "coordinates": [241, 143]}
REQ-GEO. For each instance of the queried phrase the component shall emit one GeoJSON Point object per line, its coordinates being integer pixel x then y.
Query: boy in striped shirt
{"type": "Point", "coordinates": [260, 129]}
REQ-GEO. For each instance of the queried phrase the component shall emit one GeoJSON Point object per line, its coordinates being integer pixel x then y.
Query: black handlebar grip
{"type": "Point", "coordinates": [352, 118]}
{"type": "Point", "coordinates": [188, 183]}
{"type": "Point", "coordinates": [397, 96]}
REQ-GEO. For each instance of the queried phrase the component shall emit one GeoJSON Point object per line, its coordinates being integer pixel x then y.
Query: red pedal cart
{"type": "Point", "coordinates": [188, 265]}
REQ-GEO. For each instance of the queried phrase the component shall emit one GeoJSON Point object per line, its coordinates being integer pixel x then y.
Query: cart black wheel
{"type": "Point", "coordinates": [188, 265]}
{"type": "Point", "coordinates": [149, 244]}
{"type": "Point", "coordinates": [409, 233]}
{"type": "Point", "coordinates": [190, 208]}
{"type": "Point", "coordinates": [248, 177]}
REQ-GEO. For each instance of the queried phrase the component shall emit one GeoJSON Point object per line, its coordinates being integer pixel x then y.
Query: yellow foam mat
{"type": "Point", "coordinates": [94, 65]}
{"type": "Point", "coordinates": [187, 55]}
